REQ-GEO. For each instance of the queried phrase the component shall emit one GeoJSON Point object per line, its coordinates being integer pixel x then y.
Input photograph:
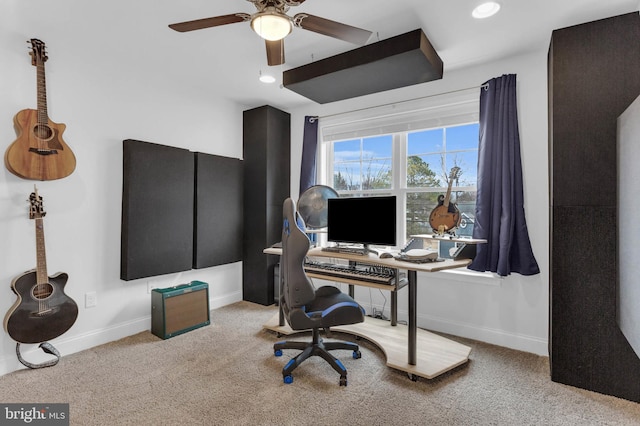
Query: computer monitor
{"type": "Point", "coordinates": [362, 220]}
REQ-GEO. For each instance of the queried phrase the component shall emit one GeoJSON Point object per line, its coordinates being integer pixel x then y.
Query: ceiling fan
{"type": "Point", "coordinates": [272, 23]}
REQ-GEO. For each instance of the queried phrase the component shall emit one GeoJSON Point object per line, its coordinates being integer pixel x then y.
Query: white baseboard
{"type": "Point", "coordinates": [90, 339]}
{"type": "Point", "coordinates": [488, 335]}
{"type": "Point", "coordinates": [77, 343]}
{"type": "Point", "coordinates": [224, 300]}
{"type": "Point", "coordinates": [497, 337]}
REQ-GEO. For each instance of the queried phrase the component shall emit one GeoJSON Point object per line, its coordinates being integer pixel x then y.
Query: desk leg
{"type": "Point", "coordinates": [280, 291]}
{"type": "Point", "coordinates": [394, 307]}
{"type": "Point", "coordinates": [413, 293]}
{"type": "Point", "coordinates": [352, 291]}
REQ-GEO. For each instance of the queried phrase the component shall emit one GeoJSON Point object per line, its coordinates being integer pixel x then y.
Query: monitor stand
{"type": "Point", "coordinates": [367, 249]}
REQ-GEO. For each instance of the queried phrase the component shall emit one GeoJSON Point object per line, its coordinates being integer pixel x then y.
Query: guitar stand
{"type": "Point", "coordinates": [446, 234]}
{"type": "Point", "coordinates": [46, 347]}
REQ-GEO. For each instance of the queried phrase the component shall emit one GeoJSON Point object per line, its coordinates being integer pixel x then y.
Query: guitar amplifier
{"type": "Point", "coordinates": [176, 310]}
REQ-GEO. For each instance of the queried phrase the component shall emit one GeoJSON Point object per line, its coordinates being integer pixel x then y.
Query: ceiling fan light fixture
{"type": "Point", "coordinates": [486, 10]}
{"type": "Point", "coordinates": [271, 25]}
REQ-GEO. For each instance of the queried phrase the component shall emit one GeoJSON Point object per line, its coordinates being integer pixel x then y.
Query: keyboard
{"type": "Point", "coordinates": [370, 273]}
{"type": "Point", "coordinates": [349, 250]}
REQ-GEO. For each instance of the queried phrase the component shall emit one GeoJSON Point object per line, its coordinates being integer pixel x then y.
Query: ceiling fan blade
{"type": "Point", "coordinates": [275, 52]}
{"type": "Point", "coordinates": [199, 24]}
{"type": "Point", "coordinates": [331, 28]}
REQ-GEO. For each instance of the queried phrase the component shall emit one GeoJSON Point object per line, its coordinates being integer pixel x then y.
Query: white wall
{"type": "Point", "coordinates": [510, 311]}
{"type": "Point", "coordinates": [102, 103]}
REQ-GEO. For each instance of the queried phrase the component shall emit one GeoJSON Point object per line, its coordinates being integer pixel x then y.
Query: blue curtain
{"type": "Point", "coordinates": [500, 215]}
{"type": "Point", "coordinates": [309, 149]}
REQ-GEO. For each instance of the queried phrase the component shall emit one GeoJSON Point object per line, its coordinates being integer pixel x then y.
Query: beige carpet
{"type": "Point", "coordinates": [226, 373]}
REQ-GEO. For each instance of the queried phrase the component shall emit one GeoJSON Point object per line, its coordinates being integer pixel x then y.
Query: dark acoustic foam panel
{"type": "Point", "coordinates": [396, 62]}
{"type": "Point", "coordinates": [218, 210]}
{"type": "Point", "coordinates": [593, 78]}
{"type": "Point", "coordinates": [157, 210]}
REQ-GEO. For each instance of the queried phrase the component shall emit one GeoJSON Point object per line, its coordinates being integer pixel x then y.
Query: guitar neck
{"type": "Point", "coordinates": [453, 175]}
{"type": "Point", "coordinates": [448, 196]}
{"type": "Point", "coordinates": [41, 258]}
{"type": "Point", "coordinates": [43, 116]}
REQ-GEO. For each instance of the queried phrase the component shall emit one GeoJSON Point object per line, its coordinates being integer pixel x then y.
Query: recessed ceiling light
{"type": "Point", "coordinates": [266, 78]}
{"type": "Point", "coordinates": [486, 10]}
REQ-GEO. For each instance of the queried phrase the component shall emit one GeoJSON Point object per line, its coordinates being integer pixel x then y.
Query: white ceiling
{"type": "Point", "coordinates": [227, 60]}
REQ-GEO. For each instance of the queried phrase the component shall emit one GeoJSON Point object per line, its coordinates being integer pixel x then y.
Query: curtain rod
{"type": "Point", "coordinates": [484, 86]}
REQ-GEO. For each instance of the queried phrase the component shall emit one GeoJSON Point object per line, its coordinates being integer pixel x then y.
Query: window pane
{"type": "Point", "coordinates": [346, 176]}
{"type": "Point", "coordinates": [423, 171]}
{"type": "Point", "coordinates": [346, 167]}
{"type": "Point", "coordinates": [419, 207]}
{"type": "Point", "coordinates": [378, 147]}
{"type": "Point", "coordinates": [462, 137]}
{"type": "Point", "coordinates": [466, 203]}
{"type": "Point", "coordinates": [377, 174]}
{"type": "Point", "coordinates": [346, 151]}
{"type": "Point", "coordinates": [376, 162]}
{"type": "Point", "coordinates": [363, 164]}
{"type": "Point", "coordinates": [425, 159]}
{"type": "Point", "coordinates": [424, 142]}
{"type": "Point", "coordinates": [468, 163]}
{"type": "Point", "coordinates": [462, 151]}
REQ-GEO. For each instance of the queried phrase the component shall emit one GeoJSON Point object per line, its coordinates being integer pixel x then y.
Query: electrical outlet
{"type": "Point", "coordinates": [90, 300]}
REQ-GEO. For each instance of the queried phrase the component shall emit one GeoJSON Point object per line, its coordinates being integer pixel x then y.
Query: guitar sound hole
{"type": "Point", "coordinates": [42, 291]}
{"type": "Point", "coordinates": [43, 131]}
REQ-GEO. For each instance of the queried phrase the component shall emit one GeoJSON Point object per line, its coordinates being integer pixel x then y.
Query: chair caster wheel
{"type": "Point", "coordinates": [288, 380]}
{"type": "Point", "coordinates": [357, 355]}
{"type": "Point", "coordinates": [277, 352]}
{"type": "Point", "coordinates": [343, 380]}
{"type": "Point", "coordinates": [413, 377]}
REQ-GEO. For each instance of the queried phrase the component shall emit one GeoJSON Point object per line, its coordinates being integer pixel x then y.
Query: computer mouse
{"type": "Point", "coordinates": [385, 255]}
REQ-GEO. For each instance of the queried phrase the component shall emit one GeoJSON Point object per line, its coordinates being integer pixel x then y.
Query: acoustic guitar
{"type": "Point", "coordinates": [43, 311]}
{"type": "Point", "coordinates": [39, 152]}
{"type": "Point", "coordinates": [445, 217]}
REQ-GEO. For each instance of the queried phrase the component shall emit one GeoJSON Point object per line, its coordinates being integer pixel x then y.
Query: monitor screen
{"type": "Point", "coordinates": [362, 220]}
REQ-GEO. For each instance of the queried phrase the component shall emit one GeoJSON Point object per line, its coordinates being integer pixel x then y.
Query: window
{"type": "Point", "coordinates": [408, 153]}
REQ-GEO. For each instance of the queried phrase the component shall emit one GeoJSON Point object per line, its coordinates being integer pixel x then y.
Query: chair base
{"type": "Point", "coordinates": [315, 348]}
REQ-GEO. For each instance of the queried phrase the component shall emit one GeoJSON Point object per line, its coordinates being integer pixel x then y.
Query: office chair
{"type": "Point", "coordinates": [308, 308]}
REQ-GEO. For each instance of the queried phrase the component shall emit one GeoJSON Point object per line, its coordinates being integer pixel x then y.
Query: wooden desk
{"type": "Point", "coordinates": [424, 354]}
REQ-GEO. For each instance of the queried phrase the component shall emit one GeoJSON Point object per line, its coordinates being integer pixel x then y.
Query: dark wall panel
{"type": "Point", "coordinates": [266, 153]}
{"type": "Point", "coordinates": [594, 74]}
{"type": "Point", "coordinates": [157, 210]}
{"type": "Point", "coordinates": [218, 210]}
{"type": "Point", "coordinates": [595, 78]}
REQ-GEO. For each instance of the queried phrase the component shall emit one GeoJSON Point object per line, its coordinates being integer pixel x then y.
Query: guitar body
{"type": "Point", "coordinates": [444, 217]}
{"type": "Point", "coordinates": [42, 311]}
{"type": "Point", "coordinates": [39, 152]}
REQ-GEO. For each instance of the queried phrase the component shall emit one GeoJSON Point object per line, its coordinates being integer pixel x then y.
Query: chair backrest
{"type": "Point", "coordinates": [298, 289]}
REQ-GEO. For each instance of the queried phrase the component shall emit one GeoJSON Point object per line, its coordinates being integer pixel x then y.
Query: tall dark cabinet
{"type": "Point", "coordinates": [594, 75]}
{"type": "Point", "coordinates": [267, 164]}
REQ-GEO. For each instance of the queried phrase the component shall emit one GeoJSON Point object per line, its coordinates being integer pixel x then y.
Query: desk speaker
{"type": "Point", "coordinates": [179, 309]}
